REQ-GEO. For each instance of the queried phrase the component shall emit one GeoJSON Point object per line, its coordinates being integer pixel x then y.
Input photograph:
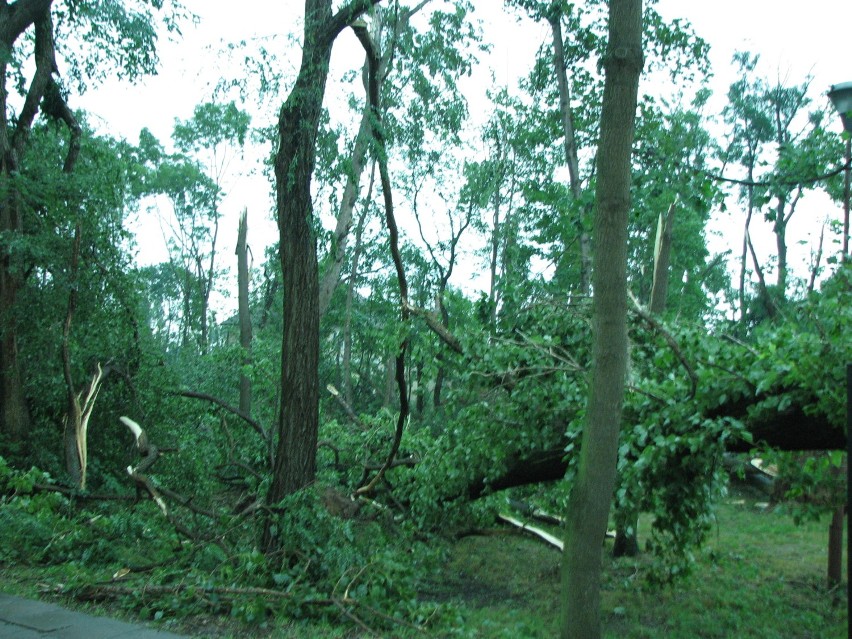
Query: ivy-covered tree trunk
{"type": "Point", "coordinates": [298, 124]}
{"type": "Point", "coordinates": [591, 494]}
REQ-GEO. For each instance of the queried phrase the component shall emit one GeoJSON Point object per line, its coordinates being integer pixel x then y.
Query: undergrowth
{"type": "Point", "coordinates": [759, 575]}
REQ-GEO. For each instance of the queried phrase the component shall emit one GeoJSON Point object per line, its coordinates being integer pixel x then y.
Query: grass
{"type": "Point", "coordinates": [760, 576]}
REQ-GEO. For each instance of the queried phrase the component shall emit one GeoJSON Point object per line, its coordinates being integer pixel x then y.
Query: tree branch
{"type": "Point", "coordinates": [231, 409]}
{"type": "Point", "coordinates": [378, 134]}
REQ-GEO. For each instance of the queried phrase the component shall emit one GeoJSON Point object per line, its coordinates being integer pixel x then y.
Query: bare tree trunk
{"type": "Point", "coordinates": [835, 548]}
{"type": "Point", "coordinates": [495, 247]}
{"type": "Point", "coordinates": [205, 277]}
{"type": "Point", "coordinates": [350, 296]}
{"type": "Point", "coordinates": [744, 254]}
{"type": "Point", "coordinates": [817, 259]}
{"type": "Point", "coordinates": [244, 311]}
{"type": "Point", "coordinates": [331, 277]}
{"type": "Point", "coordinates": [591, 493]}
{"type": "Point", "coordinates": [571, 158]}
{"type": "Point", "coordinates": [14, 414]}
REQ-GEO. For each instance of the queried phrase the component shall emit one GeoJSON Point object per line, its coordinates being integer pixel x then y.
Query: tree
{"type": "Point", "coordinates": [761, 113]}
{"type": "Point", "coordinates": [107, 33]}
{"type": "Point", "coordinates": [298, 124]}
{"type": "Point", "coordinates": [591, 494]}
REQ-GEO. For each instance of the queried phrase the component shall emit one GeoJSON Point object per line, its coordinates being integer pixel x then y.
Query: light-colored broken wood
{"type": "Point", "coordinates": [538, 532]}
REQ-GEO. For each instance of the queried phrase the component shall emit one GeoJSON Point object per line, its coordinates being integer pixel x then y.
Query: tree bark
{"type": "Point", "coordinates": [244, 311]}
{"type": "Point", "coordinates": [571, 158]}
{"type": "Point", "coordinates": [591, 494]}
{"type": "Point", "coordinates": [298, 124]}
{"type": "Point", "coordinates": [346, 366]}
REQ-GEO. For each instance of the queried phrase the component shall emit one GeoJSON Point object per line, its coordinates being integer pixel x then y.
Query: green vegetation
{"type": "Point", "coordinates": [758, 574]}
{"type": "Point", "coordinates": [326, 458]}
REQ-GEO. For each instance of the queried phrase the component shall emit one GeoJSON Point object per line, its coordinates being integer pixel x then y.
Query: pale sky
{"type": "Point", "coordinates": [794, 39]}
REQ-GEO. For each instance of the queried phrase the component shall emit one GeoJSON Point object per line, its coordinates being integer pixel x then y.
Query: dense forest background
{"type": "Point", "coordinates": [416, 334]}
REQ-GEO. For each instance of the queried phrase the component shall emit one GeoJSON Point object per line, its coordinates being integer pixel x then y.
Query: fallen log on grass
{"type": "Point", "coordinates": [538, 532]}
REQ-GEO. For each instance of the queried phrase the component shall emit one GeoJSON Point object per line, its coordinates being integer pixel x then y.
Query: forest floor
{"type": "Point", "coordinates": [759, 576]}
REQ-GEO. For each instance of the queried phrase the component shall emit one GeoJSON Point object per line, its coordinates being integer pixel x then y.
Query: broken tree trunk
{"type": "Point", "coordinates": [244, 312]}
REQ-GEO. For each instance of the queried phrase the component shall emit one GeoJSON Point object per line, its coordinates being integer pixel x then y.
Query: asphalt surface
{"type": "Point", "coordinates": [28, 619]}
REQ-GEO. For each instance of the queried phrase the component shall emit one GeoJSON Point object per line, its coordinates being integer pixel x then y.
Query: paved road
{"type": "Point", "coordinates": [28, 619]}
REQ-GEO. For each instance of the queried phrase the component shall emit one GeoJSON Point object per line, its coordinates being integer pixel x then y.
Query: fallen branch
{"type": "Point", "coordinates": [538, 532]}
{"type": "Point", "coordinates": [536, 513]}
{"type": "Point", "coordinates": [347, 408]}
{"type": "Point", "coordinates": [437, 327]}
{"type": "Point", "coordinates": [149, 454]}
{"type": "Point", "coordinates": [231, 409]}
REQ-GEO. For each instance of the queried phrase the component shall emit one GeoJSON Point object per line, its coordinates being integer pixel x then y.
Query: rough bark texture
{"type": "Point", "coordinates": [298, 124]}
{"type": "Point", "coordinates": [591, 494]}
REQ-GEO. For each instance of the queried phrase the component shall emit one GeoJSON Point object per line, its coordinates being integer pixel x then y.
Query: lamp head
{"type": "Point", "coordinates": [841, 96]}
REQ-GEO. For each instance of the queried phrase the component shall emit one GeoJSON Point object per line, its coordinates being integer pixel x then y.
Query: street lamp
{"type": "Point", "coordinates": [841, 96]}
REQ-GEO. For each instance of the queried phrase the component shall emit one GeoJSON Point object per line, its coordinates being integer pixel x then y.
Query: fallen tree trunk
{"type": "Point", "coordinates": [788, 430]}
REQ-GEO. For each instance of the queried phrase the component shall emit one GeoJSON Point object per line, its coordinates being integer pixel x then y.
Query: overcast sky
{"type": "Point", "coordinates": [794, 39]}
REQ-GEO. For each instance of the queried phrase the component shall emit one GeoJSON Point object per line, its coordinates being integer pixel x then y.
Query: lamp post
{"type": "Point", "coordinates": [841, 96]}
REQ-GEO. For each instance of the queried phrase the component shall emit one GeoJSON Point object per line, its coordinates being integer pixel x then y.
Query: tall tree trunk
{"type": "Point", "coordinates": [205, 277]}
{"type": "Point", "coordinates": [347, 320]}
{"type": "Point", "coordinates": [244, 311]}
{"type": "Point", "coordinates": [492, 270]}
{"type": "Point", "coordinates": [780, 228]}
{"type": "Point", "coordinates": [331, 277]}
{"type": "Point", "coordinates": [298, 124]}
{"type": "Point", "coordinates": [591, 494]}
{"type": "Point", "coordinates": [571, 158]}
